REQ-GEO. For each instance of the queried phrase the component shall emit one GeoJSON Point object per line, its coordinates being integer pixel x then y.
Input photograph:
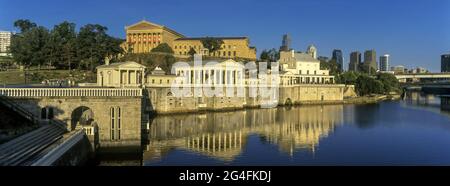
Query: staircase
{"type": "Point", "coordinates": [29, 147]}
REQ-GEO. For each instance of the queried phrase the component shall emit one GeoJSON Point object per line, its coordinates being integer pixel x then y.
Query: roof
{"type": "Point", "coordinates": [304, 57]}
{"type": "Point", "coordinates": [202, 38]}
{"type": "Point", "coordinates": [209, 62]}
{"type": "Point", "coordinates": [123, 64]}
{"type": "Point", "coordinates": [144, 22]}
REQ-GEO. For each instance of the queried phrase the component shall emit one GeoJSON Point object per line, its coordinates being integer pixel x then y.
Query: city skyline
{"type": "Point", "coordinates": [412, 38]}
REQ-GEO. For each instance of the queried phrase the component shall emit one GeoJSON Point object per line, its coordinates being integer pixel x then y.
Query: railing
{"type": "Point", "coordinates": [89, 130]}
{"type": "Point", "coordinates": [56, 153]}
{"type": "Point", "coordinates": [71, 92]}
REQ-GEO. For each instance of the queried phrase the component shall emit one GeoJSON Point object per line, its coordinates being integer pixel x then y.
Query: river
{"type": "Point", "coordinates": [411, 132]}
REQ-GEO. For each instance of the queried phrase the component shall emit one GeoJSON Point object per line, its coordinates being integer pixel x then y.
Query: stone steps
{"type": "Point", "coordinates": [29, 145]}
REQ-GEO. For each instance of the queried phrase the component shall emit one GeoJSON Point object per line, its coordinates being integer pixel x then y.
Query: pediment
{"type": "Point", "coordinates": [144, 25]}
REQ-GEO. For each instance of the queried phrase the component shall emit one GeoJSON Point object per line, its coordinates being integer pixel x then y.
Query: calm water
{"type": "Point", "coordinates": [413, 132]}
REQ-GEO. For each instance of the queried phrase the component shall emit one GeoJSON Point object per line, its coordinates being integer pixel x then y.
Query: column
{"type": "Point", "coordinates": [128, 78]}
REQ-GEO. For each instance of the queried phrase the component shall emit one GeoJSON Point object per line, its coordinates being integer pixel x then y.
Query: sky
{"type": "Point", "coordinates": [414, 32]}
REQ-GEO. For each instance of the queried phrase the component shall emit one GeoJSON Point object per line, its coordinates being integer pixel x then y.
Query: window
{"type": "Point", "coordinates": [175, 46]}
{"type": "Point", "coordinates": [224, 53]}
{"type": "Point", "coordinates": [307, 72]}
{"type": "Point", "coordinates": [116, 123]}
{"type": "Point", "coordinates": [44, 113]}
{"type": "Point", "coordinates": [234, 53]}
{"type": "Point", "coordinates": [153, 81]}
{"type": "Point", "coordinates": [229, 53]}
{"type": "Point", "coordinates": [160, 81]}
{"type": "Point", "coordinates": [50, 113]}
{"type": "Point", "coordinates": [112, 121]}
{"type": "Point", "coordinates": [315, 72]}
{"type": "Point", "coordinates": [47, 113]}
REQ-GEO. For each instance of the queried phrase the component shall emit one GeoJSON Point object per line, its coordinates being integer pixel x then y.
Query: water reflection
{"type": "Point", "coordinates": [420, 100]}
{"type": "Point", "coordinates": [223, 136]}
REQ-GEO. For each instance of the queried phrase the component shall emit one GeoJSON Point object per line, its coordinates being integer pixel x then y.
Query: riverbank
{"type": "Point", "coordinates": [355, 100]}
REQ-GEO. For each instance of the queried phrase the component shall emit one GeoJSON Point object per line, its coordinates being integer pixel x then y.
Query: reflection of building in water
{"type": "Point", "coordinates": [224, 135]}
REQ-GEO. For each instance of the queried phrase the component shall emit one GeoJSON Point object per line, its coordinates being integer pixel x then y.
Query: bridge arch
{"type": "Point", "coordinates": [81, 116]}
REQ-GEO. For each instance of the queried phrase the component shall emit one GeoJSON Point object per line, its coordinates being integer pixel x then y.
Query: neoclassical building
{"type": "Point", "coordinates": [123, 74]}
{"type": "Point", "coordinates": [302, 68]}
{"type": "Point", "coordinates": [232, 47]}
{"type": "Point", "coordinates": [143, 36]}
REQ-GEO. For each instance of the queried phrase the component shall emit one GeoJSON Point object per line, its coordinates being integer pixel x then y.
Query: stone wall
{"type": "Point", "coordinates": [64, 107]}
{"type": "Point", "coordinates": [310, 93]}
{"type": "Point", "coordinates": [162, 100]}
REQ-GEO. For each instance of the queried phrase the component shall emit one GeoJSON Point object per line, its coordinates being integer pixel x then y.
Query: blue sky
{"type": "Point", "coordinates": [415, 33]}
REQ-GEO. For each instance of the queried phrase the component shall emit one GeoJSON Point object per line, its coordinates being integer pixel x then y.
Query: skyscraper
{"type": "Point", "coordinates": [445, 63]}
{"type": "Point", "coordinates": [286, 44]}
{"type": "Point", "coordinates": [355, 61]}
{"type": "Point", "coordinates": [370, 61]}
{"type": "Point", "coordinates": [337, 56]}
{"type": "Point", "coordinates": [384, 62]}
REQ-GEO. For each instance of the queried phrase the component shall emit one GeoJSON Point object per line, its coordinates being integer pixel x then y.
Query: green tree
{"type": "Point", "coordinates": [192, 52]}
{"type": "Point", "coordinates": [28, 47]}
{"type": "Point", "coordinates": [390, 82]}
{"type": "Point", "coordinates": [24, 25]}
{"type": "Point", "coordinates": [61, 45]}
{"type": "Point", "coordinates": [348, 78]}
{"type": "Point", "coordinates": [264, 56]}
{"type": "Point", "coordinates": [212, 44]}
{"type": "Point", "coordinates": [366, 85]}
{"type": "Point", "coordinates": [330, 65]}
{"type": "Point", "coordinates": [94, 45]}
{"type": "Point", "coordinates": [164, 48]}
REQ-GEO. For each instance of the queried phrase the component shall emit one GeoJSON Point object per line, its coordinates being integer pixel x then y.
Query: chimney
{"type": "Point", "coordinates": [292, 53]}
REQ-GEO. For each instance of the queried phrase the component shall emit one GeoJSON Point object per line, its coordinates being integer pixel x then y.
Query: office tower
{"type": "Point", "coordinates": [286, 43]}
{"type": "Point", "coordinates": [355, 61]}
{"type": "Point", "coordinates": [445, 63]}
{"type": "Point", "coordinates": [384, 62]}
{"type": "Point", "coordinates": [370, 61]}
{"type": "Point", "coordinates": [337, 56]}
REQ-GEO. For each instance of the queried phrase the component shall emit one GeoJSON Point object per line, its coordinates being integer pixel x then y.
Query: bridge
{"type": "Point", "coordinates": [427, 77]}
{"type": "Point", "coordinates": [113, 113]}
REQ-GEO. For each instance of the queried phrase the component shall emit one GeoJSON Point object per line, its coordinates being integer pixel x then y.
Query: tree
{"type": "Point", "coordinates": [94, 45]}
{"type": "Point", "coordinates": [212, 44]}
{"type": "Point", "coordinates": [269, 56]}
{"type": "Point", "coordinates": [264, 56]}
{"type": "Point", "coordinates": [28, 47]}
{"type": "Point", "coordinates": [330, 65]}
{"type": "Point", "coordinates": [163, 47]}
{"type": "Point", "coordinates": [61, 45]}
{"type": "Point", "coordinates": [192, 52]}
{"type": "Point", "coordinates": [390, 82]}
{"type": "Point", "coordinates": [348, 78]}
{"type": "Point", "coordinates": [366, 85]}
{"type": "Point", "coordinates": [24, 25]}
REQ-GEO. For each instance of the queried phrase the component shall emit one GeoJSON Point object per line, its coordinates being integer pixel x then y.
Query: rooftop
{"type": "Point", "coordinates": [202, 38]}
